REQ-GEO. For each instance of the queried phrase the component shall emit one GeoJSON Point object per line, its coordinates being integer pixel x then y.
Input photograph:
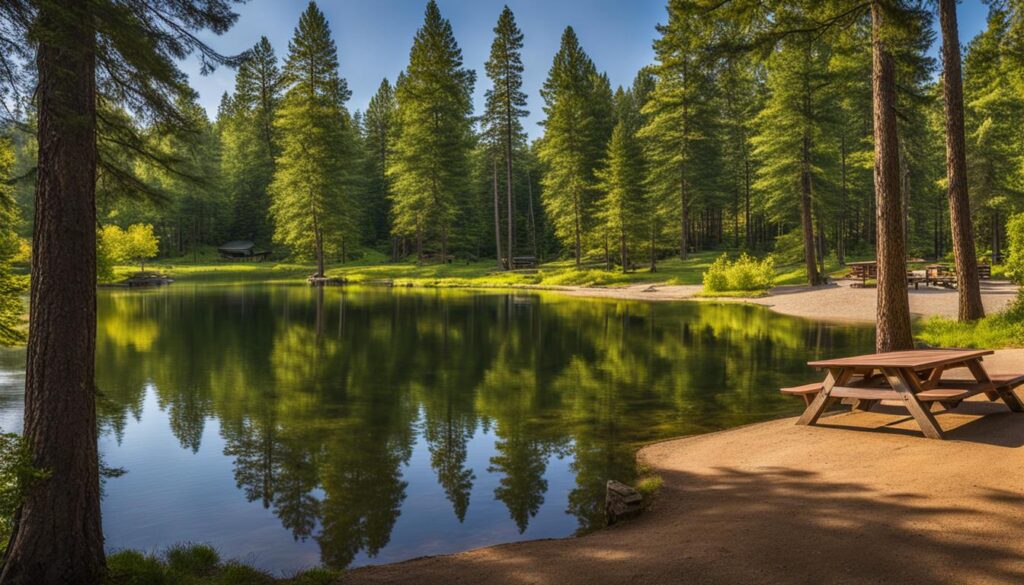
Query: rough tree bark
{"type": "Point", "coordinates": [497, 216]}
{"type": "Point", "coordinates": [968, 285]}
{"type": "Point", "coordinates": [58, 536]}
{"type": "Point", "coordinates": [893, 308]}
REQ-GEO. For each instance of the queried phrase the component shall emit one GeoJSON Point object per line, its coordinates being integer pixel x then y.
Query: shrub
{"type": "Point", "coordinates": [1015, 244]}
{"type": "Point", "coordinates": [235, 573]}
{"type": "Point", "coordinates": [742, 274]}
{"type": "Point", "coordinates": [130, 567]}
{"type": "Point", "coordinates": [316, 576]}
{"type": "Point", "coordinates": [198, 560]}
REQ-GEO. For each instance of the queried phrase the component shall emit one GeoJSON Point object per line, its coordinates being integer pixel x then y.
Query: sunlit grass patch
{"type": "Point", "coordinates": [1002, 329]}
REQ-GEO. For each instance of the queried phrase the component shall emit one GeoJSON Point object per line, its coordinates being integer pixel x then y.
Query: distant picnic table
{"type": "Point", "coordinates": [912, 377]}
{"type": "Point", "coordinates": [864, 271]}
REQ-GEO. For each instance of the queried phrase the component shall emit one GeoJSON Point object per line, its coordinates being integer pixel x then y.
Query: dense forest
{"type": "Point", "coordinates": [814, 130]}
{"type": "Point", "coordinates": [737, 137]}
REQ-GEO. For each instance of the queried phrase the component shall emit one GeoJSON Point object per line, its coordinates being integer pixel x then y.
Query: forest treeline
{"type": "Point", "coordinates": [736, 137]}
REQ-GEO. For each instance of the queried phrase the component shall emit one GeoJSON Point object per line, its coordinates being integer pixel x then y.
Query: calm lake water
{"type": "Point", "coordinates": [290, 426]}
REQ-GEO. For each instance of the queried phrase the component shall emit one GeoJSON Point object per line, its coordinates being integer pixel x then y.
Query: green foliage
{"type": "Point", "coordinates": [380, 130]}
{"type": "Point", "coordinates": [1014, 269]}
{"type": "Point", "coordinates": [316, 576]}
{"type": "Point", "coordinates": [576, 130]}
{"type": "Point", "coordinates": [430, 166]}
{"type": "Point", "coordinates": [1003, 329]}
{"type": "Point", "coordinates": [250, 142]}
{"type": "Point", "coordinates": [130, 567]}
{"type": "Point", "coordinates": [17, 475]}
{"type": "Point", "coordinates": [315, 207]}
{"type": "Point", "coordinates": [136, 244]}
{"type": "Point", "coordinates": [745, 273]}
{"type": "Point", "coordinates": [194, 560]}
{"type": "Point", "coordinates": [195, 564]}
{"type": "Point", "coordinates": [11, 246]}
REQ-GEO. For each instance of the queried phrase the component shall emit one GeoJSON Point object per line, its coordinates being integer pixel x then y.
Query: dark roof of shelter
{"type": "Point", "coordinates": [237, 246]}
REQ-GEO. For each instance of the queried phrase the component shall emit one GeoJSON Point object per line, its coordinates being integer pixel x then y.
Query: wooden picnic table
{"type": "Point", "coordinates": [912, 377]}
{"type": "Point", "coordinates": [864, 271]}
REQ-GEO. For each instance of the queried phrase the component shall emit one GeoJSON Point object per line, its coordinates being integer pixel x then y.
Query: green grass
{"type": "Point", "coordinates": [999, 330]}
{"type": "Point", "coordinates": [198, 564]}
{"type": "Point", "coordinates": [375, 267]}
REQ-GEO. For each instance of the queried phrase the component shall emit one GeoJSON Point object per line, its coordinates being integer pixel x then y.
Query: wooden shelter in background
{"type": "Point", "coordinates": [241, 251]}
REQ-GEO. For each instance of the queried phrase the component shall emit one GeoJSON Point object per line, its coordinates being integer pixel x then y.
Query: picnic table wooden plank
{"type": "Point", "coordinates": [917, 359]}
{"type": "Point", "coordinates": [902, 381]}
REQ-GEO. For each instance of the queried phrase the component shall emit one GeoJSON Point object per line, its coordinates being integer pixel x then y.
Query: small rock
{"type": "Point", "coordinates": [621, 502]}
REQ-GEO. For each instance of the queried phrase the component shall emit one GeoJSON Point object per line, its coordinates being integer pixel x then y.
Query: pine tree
{"type": "Point", "coordinates": [621, 204]}
{"type": "Point", "coordinates": [506, 103]}
{"type": "Point", "coordinates": [250, 142]}
{"type": "Point", "coordinates": [790, 137]}
{"type": "Point", "coordinates": [380, 130]}
{"type": "Point", "coordinates": [578, 110]}
{"type": "Point", "coordinates": [676, 133]}
{"type": "Point", "coordinates": [313, 202]}
{"type": "Point", "coordinates": [81, 51]}
{"type": "Point", "coordinates": [430, 166]}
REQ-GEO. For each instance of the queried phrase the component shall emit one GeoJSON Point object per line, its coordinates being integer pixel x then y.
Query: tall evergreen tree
{"type": "Point", "coordinates": [620, 180]}
{"type": "Point", "coordinates": [430, 166]}
{"type": "Point", "coordinates": [506, 104]}
{"type": "Point", "coordinates": [380, 130]}
{"type": "Point", "coordinates": [676, 134]}
{"type": "Point", "coordinates": [968, 283]}
{"type": "Point", "coordinates": [313, 203]}
{"type": "Point", "coordinates": [250, 142]}
{"type": "Point", "coordinates": [576, 130]}
{"type": "Point", "coordinates": [790, 131]}
{"type": "Point", "coordinates": [81, 51]}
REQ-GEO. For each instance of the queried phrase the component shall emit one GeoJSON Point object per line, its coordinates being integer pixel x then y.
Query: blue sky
{"type": "Point", "coordinates": [374, 36]}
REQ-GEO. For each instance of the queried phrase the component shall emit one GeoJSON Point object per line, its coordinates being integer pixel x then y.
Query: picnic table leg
{"type": "Point", "coordinates": [904, 382]}
{"type": "Point", "coordinates": [1006, 395]}
{"type": "Point", "coordinates": [824, 398]}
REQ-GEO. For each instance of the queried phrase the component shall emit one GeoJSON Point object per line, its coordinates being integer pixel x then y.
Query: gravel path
{"type": "Point", "coordinates": [835, 302]}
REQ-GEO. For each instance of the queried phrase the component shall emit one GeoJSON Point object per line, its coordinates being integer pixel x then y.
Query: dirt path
{"type": "Point", "coordinates": [838, 302]}
{"type": "Point", "coordinates": [863, 498]}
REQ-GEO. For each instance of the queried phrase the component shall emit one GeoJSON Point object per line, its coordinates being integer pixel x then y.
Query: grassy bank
{"type": "Point", "coordinates": [208, 269]}
{"type": "Point", "coordinates": [198, 564]}
{"type": "Point", "coordinates": [999, 330]}
{"type": "Point", "coordinates": [374, 266]}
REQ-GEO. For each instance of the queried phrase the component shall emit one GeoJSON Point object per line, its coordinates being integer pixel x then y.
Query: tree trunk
{"type": "Point", "coordinates": [497, 218]}
{"type": "Point", "coordinates": [533, 220]}
{"type": "Point", "coordinates": [968, 284]}
{"type": "Point", "coordinates": [806, 223]}
{"type": "Point", "coordinates": [654, 260]}
{"type": "Point", "coordinates": [576, 219]}
{"type": "Point", "coordinates": [893, 306]}
{"type": "Point", "coordinates": [623, 253]}
{"type": "Point", "coordinates": [844, 195]}
{"type": "Point", "coordinates": [57, 535]}
{"type": "Point", "coordinates": [684, 219]}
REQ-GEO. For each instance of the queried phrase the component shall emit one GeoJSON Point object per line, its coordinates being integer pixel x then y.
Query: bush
{"type": "Point", "coordinates": [1015, 244]}
{"type": "Point", "coordinates": [196, 560]}
{"type": "Point", "coordinates": [130, 567]}
{"type": "Point", "coordinates": [742, 274]}
{"type": "Point", "coordinates": [316, 576]}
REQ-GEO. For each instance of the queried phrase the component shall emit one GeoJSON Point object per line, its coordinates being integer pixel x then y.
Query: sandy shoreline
{"type": "Point", "coordinates": [834, 302]}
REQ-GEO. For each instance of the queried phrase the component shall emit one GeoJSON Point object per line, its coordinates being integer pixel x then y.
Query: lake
{"type": "Point", "coordinates": [290, 426]}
